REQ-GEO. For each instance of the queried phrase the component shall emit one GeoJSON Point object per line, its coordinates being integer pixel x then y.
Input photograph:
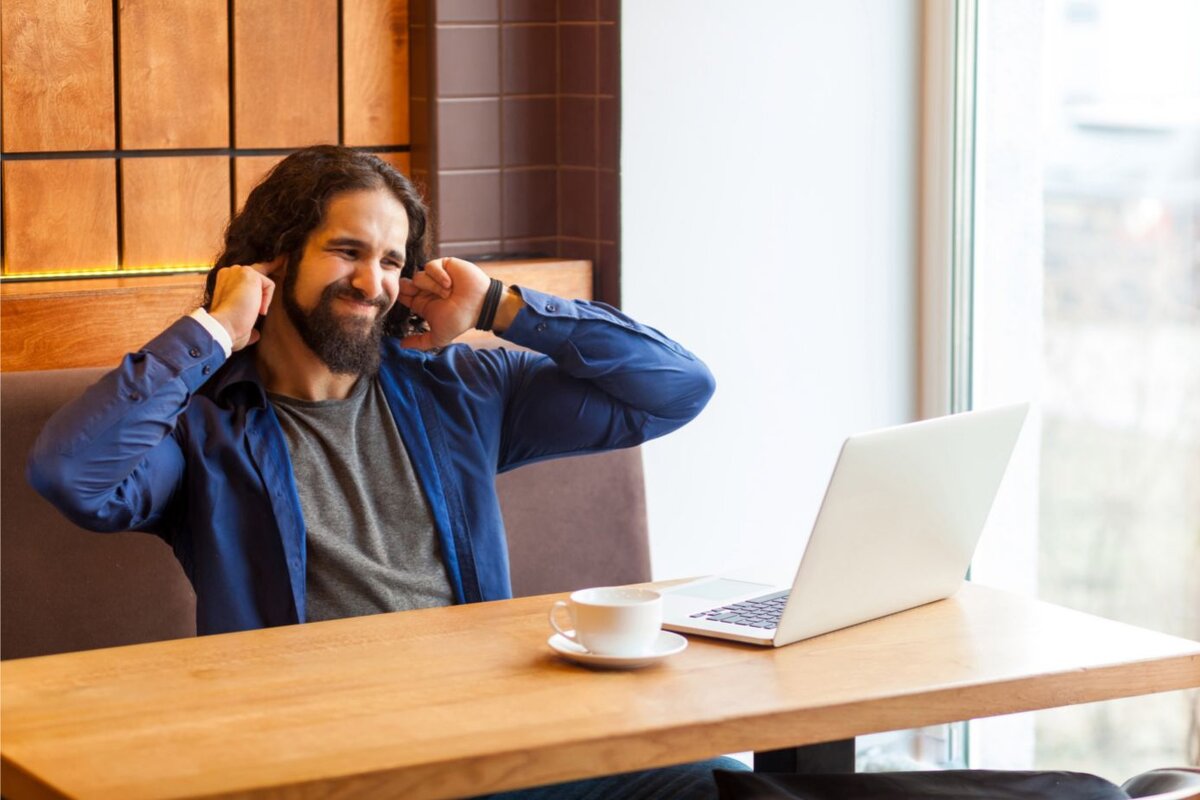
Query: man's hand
{"type": "Point", "coordinates": [241, 295]}
{"type": "Point", "coordinates": [448, 294]}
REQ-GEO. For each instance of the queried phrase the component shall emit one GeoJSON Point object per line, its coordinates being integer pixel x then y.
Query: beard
{"type": "Point", "coordinates": [347, 346]}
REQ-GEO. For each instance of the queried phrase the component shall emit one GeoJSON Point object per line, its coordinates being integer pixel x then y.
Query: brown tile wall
{"type": "Point", "coordinates": [516, 128]}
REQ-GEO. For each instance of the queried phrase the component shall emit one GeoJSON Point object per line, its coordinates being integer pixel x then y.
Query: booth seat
{"type": "Point", "coordinates": [571, 523]}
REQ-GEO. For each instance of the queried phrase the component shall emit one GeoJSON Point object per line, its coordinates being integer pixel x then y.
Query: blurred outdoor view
{"type": "Point", "coordinates": [1119, 515]}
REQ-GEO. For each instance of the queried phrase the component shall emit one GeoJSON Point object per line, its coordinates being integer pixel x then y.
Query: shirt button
{"type": "Point", "coordinates": [194, 352]}
{"type": "Point", "coordinates": [134, 396]}
{"type": "Point", "coordinates": [551, 308]}
{"type": "Point", "coordinates": [207, 369]}
{"type": "Point", "coordinates": [541, 326]}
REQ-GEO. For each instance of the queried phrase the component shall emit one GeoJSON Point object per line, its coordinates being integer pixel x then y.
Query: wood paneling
{"type": "Point", "coordinates": [88, 323]}
{"type": "Point", "coordinates": [54, 324]}
{"type": "Point", "coordinates": [174, 74]}
{"type": "Point", "coordinates": [60, 214]}
{"type": "Point", "coordinates": [175, 88]}
{"type": "Point", "coordinates": [248, 171]}
{"type": "Point", "coordinates": [175, 209]}
{"type": "Point", "coordinates": [375, 92]}
{"type": "Point", "coordinates": [58, 75]}
{"type": "Point", "coordinates": [285, 72]}
{"type": "Point", "coordinates": [401, 161]}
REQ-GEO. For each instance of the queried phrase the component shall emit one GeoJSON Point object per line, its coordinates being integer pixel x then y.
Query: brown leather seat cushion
{"type": "Point", "coordinates": [572, 523]}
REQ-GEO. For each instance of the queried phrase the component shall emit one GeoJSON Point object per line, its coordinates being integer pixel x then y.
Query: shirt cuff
{"type": "Point", "coordinates": [544, 324]}
{"type": "Point", "coordinates": [216, 329]}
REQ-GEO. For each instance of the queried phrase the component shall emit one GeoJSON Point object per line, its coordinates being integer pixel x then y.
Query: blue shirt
{"type": "Point", "coordinates": [182, 443]}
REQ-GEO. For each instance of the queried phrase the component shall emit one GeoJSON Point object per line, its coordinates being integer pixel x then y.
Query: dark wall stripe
{"type": "Point", "coordinates": [120, 216]}
{"type": "Point", "coordinates": [116, 11]}
{"type": "Point", "coordinates": [229, 33]}
{"type": "Point", "coordinates": [232, 187]}
{"type": "Point", "coordinates": [92, 274]}
{"type": "Point", "coordinates": [193, 151]}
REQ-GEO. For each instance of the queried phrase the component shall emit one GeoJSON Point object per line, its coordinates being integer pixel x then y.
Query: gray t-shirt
{"type": "Point", "coordinates": [372, 545]}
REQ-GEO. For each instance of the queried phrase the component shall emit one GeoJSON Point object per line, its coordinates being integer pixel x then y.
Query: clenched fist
{"type": "Point", "coordinates": [447, 294]}
{"type": "Point", "coordinates": [240, 297]}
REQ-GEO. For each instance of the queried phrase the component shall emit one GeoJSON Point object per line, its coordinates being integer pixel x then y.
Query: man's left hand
{"type": "Point", "coordinates": [448, 294]}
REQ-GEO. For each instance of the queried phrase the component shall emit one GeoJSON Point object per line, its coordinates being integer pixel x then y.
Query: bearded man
{"type": "Point", "coordinates": [324, 451]}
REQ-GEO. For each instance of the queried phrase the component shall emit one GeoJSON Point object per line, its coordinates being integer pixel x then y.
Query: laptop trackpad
{"type": "Point", "coordinates": [720, 590]}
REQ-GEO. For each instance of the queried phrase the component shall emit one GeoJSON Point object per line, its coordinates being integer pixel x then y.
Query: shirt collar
{"type": "Point", "coordinates": [241, 371]}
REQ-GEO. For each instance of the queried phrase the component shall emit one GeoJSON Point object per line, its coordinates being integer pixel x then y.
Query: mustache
{"type": "Point", "coordinates": [343, 289]}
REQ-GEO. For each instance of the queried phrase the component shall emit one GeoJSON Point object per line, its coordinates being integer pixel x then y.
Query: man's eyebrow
{"type": "Point", "coordinates": [350, 241]}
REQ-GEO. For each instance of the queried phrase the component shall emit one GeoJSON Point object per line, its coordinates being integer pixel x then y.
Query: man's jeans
{"type": "Point", "coordinates": [684, 782]}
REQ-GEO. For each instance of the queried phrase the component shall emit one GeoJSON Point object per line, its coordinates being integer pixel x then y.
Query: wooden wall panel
{"type": "Point", "coordinates": [176, 84]}
{"type": "Point", "coordinates": [53, 324]}
{"type": "Point", "coordinates": [174, 74]}
{"type": "Point", "coordinates": [58, 75]}
{"type": "Point", "coordinates": [285, 73]}
{"type": "Point", "coordinates": [60, 214]}
{"type": "Point", "coordinates": [248, 171]}
{"type": "Point", "coordinates": [175, 209]}
{"type": "Point", "coordinates": [401, 161]}
{"type": "Point", "coordinates": [375, 91]}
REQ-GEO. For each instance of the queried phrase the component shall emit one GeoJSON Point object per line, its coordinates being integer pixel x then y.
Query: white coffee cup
{"type": "Point", "coordinates": [612, 620]}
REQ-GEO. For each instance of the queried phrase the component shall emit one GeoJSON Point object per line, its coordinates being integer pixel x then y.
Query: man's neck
{"type": "Point", "coordinates": [288, 367]}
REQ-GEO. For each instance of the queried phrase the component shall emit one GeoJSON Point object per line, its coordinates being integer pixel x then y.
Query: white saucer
{"type": "Point", "coordinates": [667, 644]}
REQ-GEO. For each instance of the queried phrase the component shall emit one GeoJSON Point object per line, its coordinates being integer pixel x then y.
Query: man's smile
{"type": "Point", "coordinates": [362, 307]}
{"type": "Point", "coordinates": [359, 305]}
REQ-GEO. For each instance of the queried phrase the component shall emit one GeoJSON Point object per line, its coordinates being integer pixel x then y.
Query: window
{"type": "Point", "coordinates": [1086, 298]}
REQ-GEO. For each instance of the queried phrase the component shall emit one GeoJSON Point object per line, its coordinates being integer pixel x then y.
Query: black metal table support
{"type": "Point", "coordinates": [813, 759]}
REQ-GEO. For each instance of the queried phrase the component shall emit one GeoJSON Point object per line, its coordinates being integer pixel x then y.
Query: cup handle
{"type": "Point", "coordinates": [554, 623]}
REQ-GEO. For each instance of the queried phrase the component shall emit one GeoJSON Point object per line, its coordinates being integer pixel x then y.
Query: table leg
{"type": "Point", "coordinates": [812, 759]}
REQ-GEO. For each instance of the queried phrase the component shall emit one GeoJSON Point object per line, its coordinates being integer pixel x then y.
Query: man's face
{"type": "Point", "coordinates": [348, 279]}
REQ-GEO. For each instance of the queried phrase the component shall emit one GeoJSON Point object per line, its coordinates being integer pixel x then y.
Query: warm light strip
{"type": "Point", "coordinates": [173, 269]}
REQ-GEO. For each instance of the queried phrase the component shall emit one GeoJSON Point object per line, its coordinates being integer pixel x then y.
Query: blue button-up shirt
{"type": "Point", "coordinates": [181, 443]}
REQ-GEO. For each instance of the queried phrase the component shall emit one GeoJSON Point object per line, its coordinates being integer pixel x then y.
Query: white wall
{"type": "Point", "coordinates": [768, 223]}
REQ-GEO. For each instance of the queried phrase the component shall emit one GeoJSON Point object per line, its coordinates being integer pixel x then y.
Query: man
{"type": "Point", "coordinates": [302, 464]}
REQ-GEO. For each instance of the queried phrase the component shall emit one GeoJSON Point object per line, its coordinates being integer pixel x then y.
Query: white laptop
{"type": "Point", "coordinates": [897, 528]}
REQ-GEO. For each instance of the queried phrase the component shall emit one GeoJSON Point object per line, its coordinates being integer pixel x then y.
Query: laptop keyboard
{"type": "Point", "coordinates": [757, 612]}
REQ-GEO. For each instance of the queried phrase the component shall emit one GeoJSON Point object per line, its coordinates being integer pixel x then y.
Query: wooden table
{"type": "Point", "coordinates": [464, 700]}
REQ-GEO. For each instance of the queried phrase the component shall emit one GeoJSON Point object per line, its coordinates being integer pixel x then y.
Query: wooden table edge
{"type": "Point", "coordinates": [669, 746]}
{"type": "Point", "coordinates": [673, 744]}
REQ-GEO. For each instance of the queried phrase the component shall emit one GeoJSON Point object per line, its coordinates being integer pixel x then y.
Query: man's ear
{"type": "Point", "coordinates": [278, 266]}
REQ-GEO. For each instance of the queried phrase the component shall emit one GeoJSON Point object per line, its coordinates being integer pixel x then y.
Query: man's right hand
{"type": "Point", "coordinates": [241, 295]}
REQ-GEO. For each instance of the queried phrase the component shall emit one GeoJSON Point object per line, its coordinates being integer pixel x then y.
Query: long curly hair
{"type": "Point", "coordinates": [291, 201]}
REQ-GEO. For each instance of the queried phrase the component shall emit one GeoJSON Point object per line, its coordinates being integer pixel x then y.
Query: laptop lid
{"type": "Point", "coordinates": [901, 516]}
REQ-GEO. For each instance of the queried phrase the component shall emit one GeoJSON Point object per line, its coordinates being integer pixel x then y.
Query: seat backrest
{"type": "Point", "coordinates": [571, 523]}
{"type": "Point", "coordinates": [62, 588]}
{"type": "Point", "coordinates": [576, 522]}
